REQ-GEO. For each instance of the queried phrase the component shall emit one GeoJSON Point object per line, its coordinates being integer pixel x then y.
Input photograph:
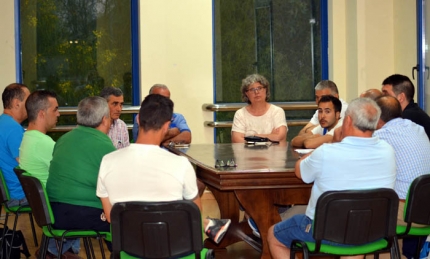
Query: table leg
{"type": "Point", "coordinates": [238, 230]}
{"type": "Point", "coordinates": [259, 204]}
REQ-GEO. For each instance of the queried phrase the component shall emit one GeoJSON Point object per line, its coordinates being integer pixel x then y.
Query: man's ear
{"type": "Point", "coordinates": [401, 97]}
{"type": "Point", "coordinates": [337, 115]}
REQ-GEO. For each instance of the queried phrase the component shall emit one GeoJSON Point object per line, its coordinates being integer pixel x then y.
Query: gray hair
{"type": "Point", "coordinates": [254, 78]}
{"type": "Point", "coordinates": [110, 90]}
{"type": "Point", "coordinates": [91, 111]}
{"type": "Point", "coordinates": [157, 86]}
{"type": "Point", "coordinates": [327, 84]}
{"type": "Point", "coordinates": [364, 113]}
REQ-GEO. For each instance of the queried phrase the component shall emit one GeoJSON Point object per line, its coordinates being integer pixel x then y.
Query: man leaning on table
{"type": "Point", "coordinates": [178, 132]}
{"type": "Point", "coordinates": [349, 164]}
{"type": "Point", "coordinates": [324, 87]}
{"type": "Point", "coordinates": [329, 108]}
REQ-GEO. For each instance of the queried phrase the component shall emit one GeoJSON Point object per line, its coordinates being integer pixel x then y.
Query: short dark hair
{"type": "Point", "coordinates": [110, 90]}
{"type": "Point", "coordinates": [155, 110]}
{"type": "Point", "coordinates": [335, 101]}
{"type": "Point", "coordinates": [390, 108]}
{"type": "Point", "coordinates": [401, 84]}
{"type": "Point", "coordinates": [36, 102]}
{"type": "Point", "coordinates": [12, 91]}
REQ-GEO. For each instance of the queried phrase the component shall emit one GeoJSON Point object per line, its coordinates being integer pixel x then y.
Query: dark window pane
{"type": "Point", "coordinates": [76, 47]}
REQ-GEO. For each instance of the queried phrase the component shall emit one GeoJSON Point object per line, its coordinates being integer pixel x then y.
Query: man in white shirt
{"type": "Point", "coordinates": [324, 87]}
{"type": "Point", "coordinates": [329, 108]}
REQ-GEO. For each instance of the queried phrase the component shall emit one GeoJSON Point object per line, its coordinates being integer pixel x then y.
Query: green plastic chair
{"type": "Point", "coordinates": [16, 210]}
{"type": "Point", "coordinates": [157, 230]}
{"type": "Point", "coordinates": [417, 210]}
{"type": "Point", "coordinates": [39, 202]}
{"type": "Point", "coordinates": [362, 222]}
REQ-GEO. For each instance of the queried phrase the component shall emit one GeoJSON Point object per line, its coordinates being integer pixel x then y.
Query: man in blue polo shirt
{"type": "Point", "coordinates": [179, 132]}
{"type": "Point", "coordinates": [11, 133]}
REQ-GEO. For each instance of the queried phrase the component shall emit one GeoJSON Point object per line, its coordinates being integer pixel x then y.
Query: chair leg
{"type": "Point", "coordinates": [13, 234]}
{"type": "Point", "coordinates": [32, 229]}
{"type": "Point", "coordinates": [102, 250]}
{"type": "Point", "coordinates": [43, 247]}
{"type": "Point", "coordinates": [4, 233]}
{"type": "Point", "coordinates": [87, 247]}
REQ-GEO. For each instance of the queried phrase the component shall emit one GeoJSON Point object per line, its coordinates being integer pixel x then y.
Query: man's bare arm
{"type": "Point", "coordinates": [184, 137]}
{"type": "Point", "coordinates": [317, 141]}
{"type": "Point", "coordinates": [107, 207]}
{"type": "Point", "coordinates": [299, 140]}
{"type": "Point", "coordinates": [307, 128]}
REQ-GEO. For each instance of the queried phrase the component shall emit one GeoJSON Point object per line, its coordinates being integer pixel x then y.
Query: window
{"type": "Point", "coordinates": [76, 47]}
{"type": "Point", "coordinates": [280, 39]}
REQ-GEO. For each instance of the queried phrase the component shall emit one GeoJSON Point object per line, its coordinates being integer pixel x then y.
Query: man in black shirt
{"type": "Point", "coordinates": [402, 88]}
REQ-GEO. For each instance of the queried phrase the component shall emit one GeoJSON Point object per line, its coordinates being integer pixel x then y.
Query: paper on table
{"type": "Point", "coordinates": [303, 151]}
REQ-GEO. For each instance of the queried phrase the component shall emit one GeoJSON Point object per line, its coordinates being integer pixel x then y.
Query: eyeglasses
{"type": "Point", "coordinates": [256, 89]}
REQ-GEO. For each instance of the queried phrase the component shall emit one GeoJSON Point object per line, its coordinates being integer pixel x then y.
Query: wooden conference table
{"type": "Point", "coordinates": [263, 178]}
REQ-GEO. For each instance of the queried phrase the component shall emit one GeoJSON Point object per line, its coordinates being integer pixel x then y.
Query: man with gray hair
{"type": "Point", "coordinates": [324, 87]}
{"type": "Point", "coordinates": [74, 169]}
{"type": "Point", "coordinates": [178, 132]}
{"type": "Point", "coordinates": [349, 164]}
{"type": "Point", "coordinates": [118, 131]}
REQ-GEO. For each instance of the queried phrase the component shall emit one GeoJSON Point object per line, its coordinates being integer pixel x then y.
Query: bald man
{"type": "Point", "coordinates": [371, 93]}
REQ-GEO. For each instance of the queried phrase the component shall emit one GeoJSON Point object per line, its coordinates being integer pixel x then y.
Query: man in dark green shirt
{"type": "Point", "coordinates": [74, 168]}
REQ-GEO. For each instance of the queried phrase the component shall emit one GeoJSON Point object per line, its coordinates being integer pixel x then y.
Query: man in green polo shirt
{"type": "Point", "coordinates": [74, 169]}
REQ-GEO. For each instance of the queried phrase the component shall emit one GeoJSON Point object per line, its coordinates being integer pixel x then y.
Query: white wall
{"type": "Point", "coordinates": [7, 46]}
{"type": "Point", "coordinates": [176, 50]}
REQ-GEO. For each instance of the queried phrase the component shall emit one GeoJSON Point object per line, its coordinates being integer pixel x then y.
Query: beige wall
{"type": "Point", "coordinates": [7, 46]}
{"type": "Point", "coordinates": [176, 50]}
{"type": "Point", "coordinates": [368, 40]}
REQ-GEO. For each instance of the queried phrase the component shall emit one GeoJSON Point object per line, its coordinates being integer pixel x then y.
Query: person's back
{"type": "Point", "coordinates": [148, 173]}
{"type": "Point", "coordinates": [410, 143]}
{"type": "Point", "coordinates": [74, 166]}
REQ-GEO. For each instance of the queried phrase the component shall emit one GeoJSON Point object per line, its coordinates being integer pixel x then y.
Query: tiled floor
{"type": "Point", "coordinates": [240, 250]}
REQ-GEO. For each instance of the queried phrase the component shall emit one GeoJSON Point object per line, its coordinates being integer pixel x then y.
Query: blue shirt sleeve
{"type": "Point", "coordinates": [178, 121]}
{"type": "Point", "coordinates": [135, 129]}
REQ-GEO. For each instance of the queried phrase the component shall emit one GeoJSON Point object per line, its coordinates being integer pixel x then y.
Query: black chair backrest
{"type": "Point", "coordinates": [356, 217]}
{"type": "Point", "coordinates": [156, 229]}
{"type": "Point", "coordinates": [37, 199]}
{"type": "Point", "coordinates": [4, 196]}
{"type": "Point", "coordinates": [418, 201]}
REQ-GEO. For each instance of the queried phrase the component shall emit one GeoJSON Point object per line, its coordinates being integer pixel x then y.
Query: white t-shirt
{"type": "Point", "coordinates": [248, 124]}
{"type": "Point", "coordinates": [320, 130]}
{"type": "Point", "coordinates": [145, 173]}
{"type": "Point", "coordinates": [315, 120]}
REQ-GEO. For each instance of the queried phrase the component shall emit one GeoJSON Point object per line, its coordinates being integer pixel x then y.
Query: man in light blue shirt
{"type": "Point", "coordinates": [412, 148]}
{"type": "Point", "coordinates": [349, 164]}
{"type": "Point", "coordinates": [409, 140]}
{"type": "Point", "coordinates": [178, 132]}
